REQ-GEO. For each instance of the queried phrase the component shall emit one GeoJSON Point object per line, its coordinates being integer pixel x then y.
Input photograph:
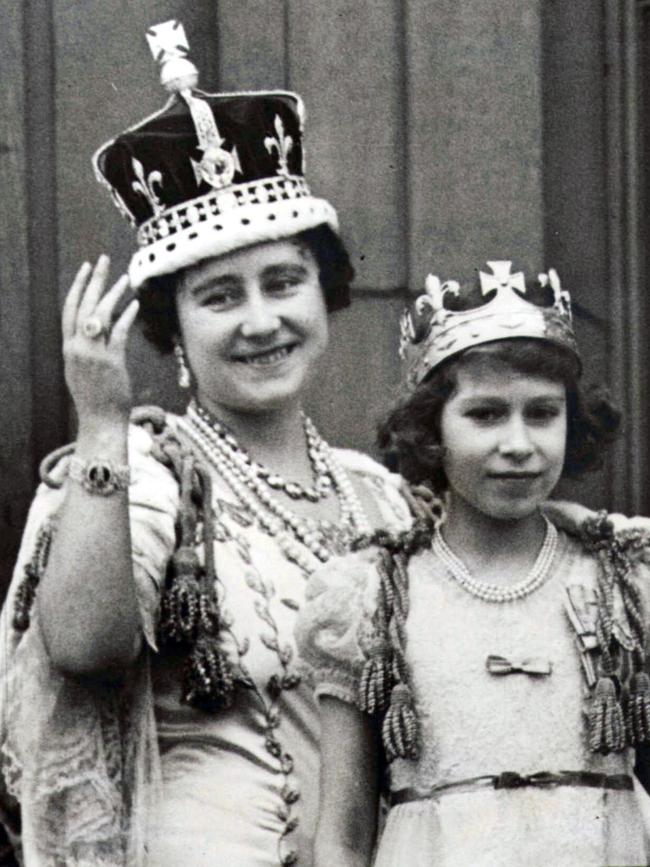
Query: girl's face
{"type": "Point", "coordinates": [504, 438]}
{"type": "Point", "coordinates": [253, 325]}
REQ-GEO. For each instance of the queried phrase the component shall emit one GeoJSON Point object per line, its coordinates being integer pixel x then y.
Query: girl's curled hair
{"type": "Point", "coordinates": [412, 429]}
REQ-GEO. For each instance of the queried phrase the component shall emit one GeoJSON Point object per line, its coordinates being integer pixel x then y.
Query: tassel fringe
{"type": "Point", "coordinates": [606, 721]}
{"type": "Point", "coordinates": [375, 683]}
{"type": "Point", "coordinates": [637, 715]}
{"type": "Point", "coordinates": [190, 615]}
{"type": "Point", "coordinates": [208, 682]}
{"type": "Point", "coordinates": [400, 727]}
{"type": "Point", "coordinates": [34, 569]}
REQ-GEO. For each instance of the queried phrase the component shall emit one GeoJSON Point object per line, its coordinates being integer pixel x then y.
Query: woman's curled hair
{"type": "Point", "coordinates": [411, 432]}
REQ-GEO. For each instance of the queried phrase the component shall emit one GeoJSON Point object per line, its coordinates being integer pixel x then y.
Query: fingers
{"type": "Point", "coordinates": [71, 304]}
{"type": "Point", "coordinates": [123, 325]}
{"type": "Point", "coordinates": [106, 308]}
{"type": "Point", "coordinates": [85, 299]}
{"type": "Point", "coordinates": [94, 290]}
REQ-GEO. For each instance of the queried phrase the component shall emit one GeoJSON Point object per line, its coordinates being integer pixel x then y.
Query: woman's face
{"type": "Point", "coordinates": [253, 324]}
{"type": "Point", "coordinates": [504, 438]}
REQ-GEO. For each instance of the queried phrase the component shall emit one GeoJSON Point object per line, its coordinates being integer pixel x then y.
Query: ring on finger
{"type": "Point", "coordinates": [93, 327]}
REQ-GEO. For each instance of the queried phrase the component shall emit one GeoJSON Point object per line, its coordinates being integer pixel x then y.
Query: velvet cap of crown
{"type": "Point", "coordinates": [451, 317]}
{"type": "Point", "coordinates": [208, 173]}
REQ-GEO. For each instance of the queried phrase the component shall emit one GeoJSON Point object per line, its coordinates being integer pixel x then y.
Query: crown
{"type": "Point", "coordinates": [208, 173]}
{"type": "Point", "coordinates": [450, 318]}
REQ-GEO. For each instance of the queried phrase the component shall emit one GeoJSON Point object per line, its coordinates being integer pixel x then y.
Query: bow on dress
{"type": "Point", "coordinates": [533, 665]}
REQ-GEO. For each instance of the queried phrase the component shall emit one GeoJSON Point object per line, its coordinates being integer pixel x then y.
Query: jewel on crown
{"type": "Point", "coordinates": [435, 327]}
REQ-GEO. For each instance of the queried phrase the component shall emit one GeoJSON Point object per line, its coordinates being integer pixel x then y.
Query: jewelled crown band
{"type": "Point", "coordinates": [451, 317]}
{"type": "Point", "coordinates": [208, 173]}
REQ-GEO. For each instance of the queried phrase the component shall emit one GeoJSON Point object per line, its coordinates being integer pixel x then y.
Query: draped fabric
{"type": "Point", "coordinates": [128, 775]}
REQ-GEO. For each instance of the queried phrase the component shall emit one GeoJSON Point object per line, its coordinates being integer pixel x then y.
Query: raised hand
{"type": "Point", "coordinates": [94, 345]}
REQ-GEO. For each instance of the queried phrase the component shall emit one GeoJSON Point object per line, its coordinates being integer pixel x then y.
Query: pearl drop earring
{"type": "Point", "coordinates": [184, 379]}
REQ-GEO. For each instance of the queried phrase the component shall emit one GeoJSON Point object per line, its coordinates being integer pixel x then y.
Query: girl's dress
{"type": "Point", "coordinates": [132, 776]}
{"type": "Point", "coordinates": [478, 722]}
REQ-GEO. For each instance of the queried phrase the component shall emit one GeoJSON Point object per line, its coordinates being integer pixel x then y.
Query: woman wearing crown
{"type": "Point", "coordinates": [492, 663]}
{"type": "Point", "coordinates": [152, 710]}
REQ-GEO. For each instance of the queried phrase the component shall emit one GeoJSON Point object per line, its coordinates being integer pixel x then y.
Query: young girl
{"type": "Point", "coordinates": [491, 662]}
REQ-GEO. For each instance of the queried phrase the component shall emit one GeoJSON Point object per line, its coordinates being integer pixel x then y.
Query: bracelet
{"type": "Point", "coordinates": [99, 475]}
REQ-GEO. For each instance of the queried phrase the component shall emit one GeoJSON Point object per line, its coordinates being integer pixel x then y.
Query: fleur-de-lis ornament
{"type": "Point", "coordinates": [282, 144]}
{"type": "Point", "coordinates": [560, 295]}
{"type": "Point", "coordinates": [436, 290]}
{"type": "Point", "coordinates": [145, 186]}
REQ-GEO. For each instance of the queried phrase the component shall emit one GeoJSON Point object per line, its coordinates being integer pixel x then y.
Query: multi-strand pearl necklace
{"type": "Point", "coordinates": [316, 451]}
{"type": "Point", "coordinates": [497, 592]}
{"type": "Point", "coordinates": [292, 532]}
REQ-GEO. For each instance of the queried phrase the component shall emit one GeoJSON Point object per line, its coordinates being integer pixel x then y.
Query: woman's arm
{"type": "Point", "coordinates": [347, 824]}
{"type": "Point", "coordinates": [87, 605]}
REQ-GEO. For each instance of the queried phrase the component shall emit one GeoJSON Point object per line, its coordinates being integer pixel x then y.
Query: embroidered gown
{"type": "Point", "coordinates": [136, 777]}
{"type": "Point", "coordinates": [474, 723]}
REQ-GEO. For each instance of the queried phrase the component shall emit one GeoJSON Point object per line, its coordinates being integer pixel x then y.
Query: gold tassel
{"type": "Point", "coordinates": [638, 709]}
{"type": "Point", "coordinates": [208, 682]}
{"type": "Point", "coordinates": [606, 721]}
{"type": "Point", "coordinates": [400, 727]}
{"type": "Point", "coordinates": [375, 683]}
{"type": "Point", "coordinates": [182, 602]}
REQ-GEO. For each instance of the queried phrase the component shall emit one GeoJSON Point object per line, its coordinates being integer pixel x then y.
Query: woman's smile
{"type": "Point", "coordinates": [265, 357]}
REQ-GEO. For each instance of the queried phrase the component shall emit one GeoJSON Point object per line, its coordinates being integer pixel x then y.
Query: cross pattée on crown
{"type": "Point", "coordinates": [509, 287]}
{"type": "Point", "coordinates": [167, 40]}
{"type": "Point", "coordinates": [502, 278]}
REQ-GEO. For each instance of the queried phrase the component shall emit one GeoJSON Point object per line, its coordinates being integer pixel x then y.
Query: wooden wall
{"type": "Point", "coordinates": [445, 131]}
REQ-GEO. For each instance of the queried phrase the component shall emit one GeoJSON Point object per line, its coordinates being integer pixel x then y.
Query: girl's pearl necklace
{"type": "Point", "coordinates": [291, 531]}
{"type": "Point", "coordinates": [497, 592]}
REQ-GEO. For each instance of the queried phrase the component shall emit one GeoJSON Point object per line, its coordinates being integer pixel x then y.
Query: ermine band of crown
{"type": "Point", "coordinates": [195, 211]}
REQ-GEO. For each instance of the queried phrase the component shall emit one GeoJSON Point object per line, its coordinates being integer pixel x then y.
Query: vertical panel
{"type": "Point", "coordinates": [251, 45]}
{"type": "Point", "coordinates": [575, 233]}
{"type": "Point", "coordinates": [345, 59]}
{"type": "Point", "coordinates": [474, 134]}
{"type": "Point", "coordinates": [48, 392]}
{"type": "Point", "coordinates": [15, 386]}
{"type": "Point", "coordinates": [628, 307]}
{"type": "Point", "coordinates": [360, 373]}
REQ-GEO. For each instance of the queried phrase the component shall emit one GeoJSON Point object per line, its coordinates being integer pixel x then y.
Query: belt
{"type": "Point", "coordinates": [513, 780]}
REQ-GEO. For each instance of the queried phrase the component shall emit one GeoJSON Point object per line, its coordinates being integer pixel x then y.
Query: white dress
{"type": "Point", "coordinates": [157, 781]}
{"type": "Point", "coordinates": [474, 723]}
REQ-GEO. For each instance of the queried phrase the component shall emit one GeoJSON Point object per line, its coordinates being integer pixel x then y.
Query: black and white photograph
{"type": "Point", "coordinates": [324, 433]}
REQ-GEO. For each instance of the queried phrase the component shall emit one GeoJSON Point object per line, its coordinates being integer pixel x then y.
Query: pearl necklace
{"type": "Point", "coordinates": [497, 592]}
{"type": "Point", "coordinates": [316, 451]}
{"type": "Point", "coordinates": [293, 533]}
